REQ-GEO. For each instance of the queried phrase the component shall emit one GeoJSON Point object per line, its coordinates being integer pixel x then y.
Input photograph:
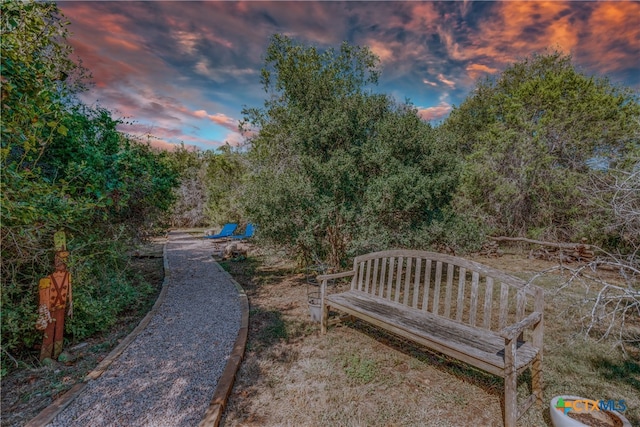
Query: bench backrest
{"type": "Point", "coordinates": [448, 286]}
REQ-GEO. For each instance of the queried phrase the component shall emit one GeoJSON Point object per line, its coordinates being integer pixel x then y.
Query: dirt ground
{"type": "Point", "coordinates": [33, 387]}
{"type": "Point", "coordinates": [359, 376]}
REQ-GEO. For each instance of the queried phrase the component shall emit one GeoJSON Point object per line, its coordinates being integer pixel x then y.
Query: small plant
{"type": "Point", "coordinates": [360, 370]}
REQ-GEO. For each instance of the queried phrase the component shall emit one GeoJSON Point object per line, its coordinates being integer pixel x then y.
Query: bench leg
{"type": "Point", "coordinates": [324, 319]}
{"type": "Point", "coordinates": [510, 399]}
{"type": "Point", "coordinates": [536, 379]}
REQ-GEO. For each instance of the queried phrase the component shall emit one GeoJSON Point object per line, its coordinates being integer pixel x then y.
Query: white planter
{"type": "Point", "coordinates": [560, 419]}
{"type": "Point", "coordinates": [314, 306]}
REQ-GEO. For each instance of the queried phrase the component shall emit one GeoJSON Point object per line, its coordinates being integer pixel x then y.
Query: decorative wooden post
{"type": "Point", "coordinates": [55, 290]}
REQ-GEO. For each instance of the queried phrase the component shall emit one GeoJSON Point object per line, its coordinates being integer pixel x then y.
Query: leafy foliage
{"type": "Point", "coordinates": [225, 172]}
{"type": "Point", "coordinates": [532, 138]}
{"type": "Point", "coordinates": [211, 183]}
{"type": "Point", "coordinates": [333, 167]}
{"type": "Point", "coordinates": [65, 166]}
{"type": "Point", "coordinates": [188, 210]}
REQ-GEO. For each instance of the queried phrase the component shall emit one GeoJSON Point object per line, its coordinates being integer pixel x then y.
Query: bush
{"type": "Point", "coordinates": [65, 167]}
{"type": "Point", "coordinates": [534, 142]}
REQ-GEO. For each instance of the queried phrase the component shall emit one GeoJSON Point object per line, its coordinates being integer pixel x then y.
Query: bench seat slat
{"type": "Point", "coordinates": [478, 347]}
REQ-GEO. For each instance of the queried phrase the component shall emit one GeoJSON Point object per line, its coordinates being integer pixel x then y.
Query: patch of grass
{"type": "Point", "coordinates": [625, 371]}
{"type": "Point", "coordinates": [360, 370]}
{"type": "Point", "coordinates": [266, 327]}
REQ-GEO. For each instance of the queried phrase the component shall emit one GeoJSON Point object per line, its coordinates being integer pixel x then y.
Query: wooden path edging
{"type": "Point", "coordinates": [49, 413]}
{"type": "Point", "coordinates": [223, 389]}
{"type": "Point", "coordinates": [218, 403]}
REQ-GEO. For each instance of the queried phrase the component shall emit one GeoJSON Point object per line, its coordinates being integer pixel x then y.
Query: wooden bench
{"type": "Point", "coordinates": [471, 312]}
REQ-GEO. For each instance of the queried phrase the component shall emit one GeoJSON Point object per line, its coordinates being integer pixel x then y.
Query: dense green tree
{"type": "Point", "coordinates": [333, 167]}
{"type": "Point", "coordinates": [37, 76]}
{"type": "Point", "coordinates": [65, 166]}
{"type": "Point", "coordinates": [532, 138]}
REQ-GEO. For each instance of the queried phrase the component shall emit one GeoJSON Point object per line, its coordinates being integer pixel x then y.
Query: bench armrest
{"type": "Point", "coordinates": [323, 278]}
{"type": "Point", "coordinates": [335, 275]}
{"type": "Point", "coordinates": [513, 331]}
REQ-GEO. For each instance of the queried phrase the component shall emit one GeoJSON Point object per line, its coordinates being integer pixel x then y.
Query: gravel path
{"type": "Point", "coordinates": [168, 374]}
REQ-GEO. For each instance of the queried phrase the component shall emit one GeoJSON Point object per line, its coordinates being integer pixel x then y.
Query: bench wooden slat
{"type": "Point", "coordinates": [436, 290]}
{"type": "Point", "coordinates": [521, 302]}
{"type": "Point", "coordinates": [488, 302]}
{"type": "Point", "coordinates": [447, 296]}
{"type": "Point", "coordinates": [390, 281]}
{"type": "Point", "coordinates": [416, 283]}
{"type": "Point", "coordinates": [460, 303]}
{"type": "Point", "coordinates": [504, 305]}
{"type": "Point", "coordinates": [407, 282]}
{"type": "Point", "coordinates": [400, 262]}
{"type": "Point", "coordinates": [427, 286]}
{"type": "Point", "coordinates": [383, 276]}
{"type": "Point", "coordinates": [538, 306]}
{"type": "Point", "coordinates": [374, 285]}
{"type": "Point", "coordinates": [367, 279]}
{"type": "Point", "coordinates": [475, 279]}
{"type": "Point", "coordinates": [471, 345]}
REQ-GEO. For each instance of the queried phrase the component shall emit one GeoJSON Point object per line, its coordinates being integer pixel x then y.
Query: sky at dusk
{"type": "Point", "coordinates": [182, 70]}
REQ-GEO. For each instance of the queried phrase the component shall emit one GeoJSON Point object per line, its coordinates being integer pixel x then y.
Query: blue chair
{"type": "Point", "coordinates": [248, 232]}
{"type": "Point", "coordinates": [226, 231]}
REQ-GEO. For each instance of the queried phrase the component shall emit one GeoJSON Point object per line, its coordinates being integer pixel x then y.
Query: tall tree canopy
{"type": "Point", "coordinates": [335, 167]}
{"type": "Point", "coordinates": [532, 140]}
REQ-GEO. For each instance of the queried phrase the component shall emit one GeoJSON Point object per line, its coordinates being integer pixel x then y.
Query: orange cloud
{"type": "Point", "coordinates": [113, 41]}
{"type": "Point", "coordinates": [607, 53]}
{"type": "Point", "coordinates": [476, 70]}
{"type": "Point", "coordinates": [515, 30]}
{"type": "Point", "coordinates": [423, 17]}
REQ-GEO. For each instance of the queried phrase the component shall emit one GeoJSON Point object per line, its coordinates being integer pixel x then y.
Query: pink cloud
{"type": "Point", "coordinates": [218, 118]}
{"type": "Point", "coordinates": [435, 113]}
{"type": "Point", "coordinates": [384, 51]}
{"type": "Point", "coordinates": [446, 81]}
{"type": "Point", "coordinates": [234, 139]}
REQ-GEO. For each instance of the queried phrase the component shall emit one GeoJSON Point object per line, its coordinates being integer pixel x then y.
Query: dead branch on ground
{"type": "Point", "coordinates": [615, 309]}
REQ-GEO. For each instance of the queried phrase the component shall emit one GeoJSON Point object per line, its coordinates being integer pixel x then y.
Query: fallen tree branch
{"type": "Point", "coordinates": [613, 305]}
{"type": "Point", "coordinates": [540, 242]}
